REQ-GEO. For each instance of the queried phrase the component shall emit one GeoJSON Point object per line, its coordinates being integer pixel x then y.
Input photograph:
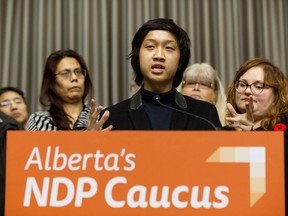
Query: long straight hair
{"type": "Point", "coordinates": [49, 96]}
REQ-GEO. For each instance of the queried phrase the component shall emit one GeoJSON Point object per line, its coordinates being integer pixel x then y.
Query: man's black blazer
{"type": "Point", "coordinates": [130, 114]}
{"type": "Point", "coordinates": [6, 123]}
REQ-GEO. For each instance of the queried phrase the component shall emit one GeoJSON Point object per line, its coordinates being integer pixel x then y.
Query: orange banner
{"type": "Point", "coordinates": [139, 173]}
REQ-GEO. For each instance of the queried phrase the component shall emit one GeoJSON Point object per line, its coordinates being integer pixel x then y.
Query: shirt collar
{"type": "Point", "coordinates": [136, 100]}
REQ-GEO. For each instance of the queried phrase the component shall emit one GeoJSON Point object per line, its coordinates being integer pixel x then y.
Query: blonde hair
{"type": "Point", "coordinates": [204, 71]}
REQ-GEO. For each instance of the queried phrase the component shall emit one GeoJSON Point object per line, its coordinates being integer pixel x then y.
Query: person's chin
{"type": "Point", "coordinates": [76, 96]}
{"type": "Point", "coordinates": [18, 119]}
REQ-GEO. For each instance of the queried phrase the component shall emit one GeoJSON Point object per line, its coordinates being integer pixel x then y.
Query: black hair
{"type": "Point", "coordinates": [10, 88]}
{"type": "Point", "coordinates": [166, 25]}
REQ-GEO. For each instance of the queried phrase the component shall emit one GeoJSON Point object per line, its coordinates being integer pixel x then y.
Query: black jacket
{"type": "Point", "coordinates": [130, 114]}
{"type": "Point", "coordinates": [6, 123]}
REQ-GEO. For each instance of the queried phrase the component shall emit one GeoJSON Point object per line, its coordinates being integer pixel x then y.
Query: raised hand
{"type": "Point", "coordinates": [94, 123]}
{"type": "Point", "coordinates": [241, 122]}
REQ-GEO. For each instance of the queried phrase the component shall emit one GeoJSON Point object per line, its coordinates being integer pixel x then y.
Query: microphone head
{"type": "Point", "coordinates": [156, 98]}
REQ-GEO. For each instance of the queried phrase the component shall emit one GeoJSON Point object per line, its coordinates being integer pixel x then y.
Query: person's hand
{"type": "Point", "coordinates": [241, 122]}
{"type": "Point", "coordinates": [94, 123]}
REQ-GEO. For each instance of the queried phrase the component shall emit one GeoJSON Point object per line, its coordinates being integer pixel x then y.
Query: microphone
{"type": "Point", "coordinates": [157, 98]}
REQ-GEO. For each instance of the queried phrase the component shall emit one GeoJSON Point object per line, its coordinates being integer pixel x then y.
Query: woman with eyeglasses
{"type": "Point", "coordinates": [200, 81]}
{"type": "Point", "coordinates": [257, 99]}
{"type": "Point", "coordinates": [66, 91]}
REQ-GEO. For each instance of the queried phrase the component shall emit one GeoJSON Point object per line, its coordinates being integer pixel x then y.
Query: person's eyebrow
{"type": "Point", "coordinates": [13, 98]}
{"type": "Point", "coordinates": [155, 40]}
{"type": "Point", "coordinates": [4, 100]}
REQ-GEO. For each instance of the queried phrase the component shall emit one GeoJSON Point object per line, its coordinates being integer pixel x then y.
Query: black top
{"type": "Point", "coordinates": [159, 116]}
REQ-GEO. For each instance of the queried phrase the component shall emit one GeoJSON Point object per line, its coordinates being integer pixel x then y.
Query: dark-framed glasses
{"type": "Point", "coordinates": [201, 84]}
{"type": "Point", "coordinates": [66, 74]}
{"type": "Point", "coordinates": [256, 87]}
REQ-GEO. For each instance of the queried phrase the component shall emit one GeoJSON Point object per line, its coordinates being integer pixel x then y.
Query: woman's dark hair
{"type": "Point", "coordinates": [166, 25]}
{"type": "Point", "coordinates": [49, 96]}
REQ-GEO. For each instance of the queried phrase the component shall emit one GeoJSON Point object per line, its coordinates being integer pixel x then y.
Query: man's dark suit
{"type": "Point", "coordinates": [6, 123]}
{"type": "Point", "coordinates": [130, 114]}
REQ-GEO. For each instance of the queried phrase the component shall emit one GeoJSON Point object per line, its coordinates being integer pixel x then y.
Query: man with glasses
{"type": "Point", "coordinates": [13, 103]}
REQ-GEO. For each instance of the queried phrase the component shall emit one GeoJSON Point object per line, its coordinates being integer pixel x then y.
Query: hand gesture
{"type": "Point", "coordinates": [241, 122]}
{"type": "Point", "coordinates": [94, 123]}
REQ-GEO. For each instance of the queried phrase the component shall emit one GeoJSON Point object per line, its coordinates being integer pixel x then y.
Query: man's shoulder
{"type": "Point", "coordinates": [123, 105]}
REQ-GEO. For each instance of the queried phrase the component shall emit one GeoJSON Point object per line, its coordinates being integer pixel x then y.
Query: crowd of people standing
{"type": "Point", "coordinates": [257, 97]}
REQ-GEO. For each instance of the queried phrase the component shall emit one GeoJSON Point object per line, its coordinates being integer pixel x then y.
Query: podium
{"type": "Point", "coordinates": [145, 173]}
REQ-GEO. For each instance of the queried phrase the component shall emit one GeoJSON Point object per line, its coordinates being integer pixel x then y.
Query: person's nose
{"type": "Point", "coordinates": [159, 54]}
{"type": "Point", "coordinates": [196, 87]}
{"type": "Point", "coordinates": [73, 76]}
{"type": "Point", "coordinates": [248, 90]}
{"type": "Point", "coordinates": [13, 105]}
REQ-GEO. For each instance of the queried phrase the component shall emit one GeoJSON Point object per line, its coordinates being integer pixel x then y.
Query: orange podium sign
{"type": "Point", "coordinates": [141, 173]}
